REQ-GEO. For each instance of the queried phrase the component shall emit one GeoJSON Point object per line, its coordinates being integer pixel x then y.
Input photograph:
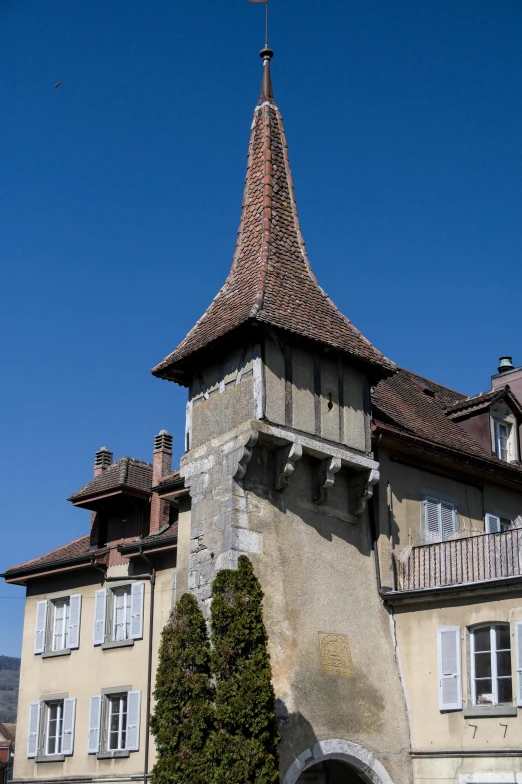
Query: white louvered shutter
{"type": "Point", "coordinates": [69, 715]}
{"type": "Point", "coordinates": [492, 524]}
{"type": "Point", "coordinates": [518, 660]}
{"type": "Point", "coordinates": [431, 514]}
{"type": "Point", "coordinates": [449, 666]}
{"type": "Point", "coordinates": [447, 514]}
{"type": "Point", "coordinates": [94, 724]}
{"type": "Point", "coordinates": [34, 729]}
{"type": "Point", "coordinates": [75, 608]}
{"type": "Point", "coordinates": [40, 627]}
{"type": "Point", "coordinates": [133, 720]}
{"type": "Point", "coordinates": [137, 591]}
{"type": "Point", "coordinates": [100, 609]}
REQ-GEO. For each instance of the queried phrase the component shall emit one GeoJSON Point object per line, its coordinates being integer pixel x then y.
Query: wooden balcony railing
{"type": "Point", "coordinates": [471, 559]}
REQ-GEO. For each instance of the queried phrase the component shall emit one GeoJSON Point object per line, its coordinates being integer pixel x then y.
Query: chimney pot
{"type": "Point", "coordinates": [102, 460]}
{"type": "Point", "coordinates": [163, 442]}
{"type": "Point", "coordinates": [161, 465]}
{"type": "Point", "coordinates": [505, 364]}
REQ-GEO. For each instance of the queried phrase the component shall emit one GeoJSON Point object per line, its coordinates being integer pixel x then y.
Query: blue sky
{"type": "Point", "coordinates": [121, 190]}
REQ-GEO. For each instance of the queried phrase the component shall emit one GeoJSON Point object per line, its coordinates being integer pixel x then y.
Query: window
{"type": "Point", "coordinates": [440, 518]}
{"type": "Point", "coordinates": [51, 728]}
{"type": "Point", "coordinates": [502, 440]}
{"type": "Point", "coordinates": [491, 665]}
{"type": "Point", "coordinates": [114, 722]}
{"type": "Point", "coordinates": [118, 614]}
{"type": "Point", "coordinates": [496, 524]}
{"type": "Point", "coordinates": [57, 627]}
{"type": "Point", "coordinates": [117, 723]}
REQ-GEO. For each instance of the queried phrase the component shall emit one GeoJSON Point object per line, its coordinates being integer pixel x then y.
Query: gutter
{"type": "Point", "coordinates": [419, 595]}
{"type": "Point", "coordinates": [138, 547]}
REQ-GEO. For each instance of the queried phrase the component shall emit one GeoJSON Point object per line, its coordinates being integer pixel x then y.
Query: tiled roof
{"type": "Point", "coordinates": [483, 400]}
{"type": "Point", "coordinates": [405, 406]}
{"type": "Point", "coordinates": [8, 731]}
{"type": "Point", "coordinates": [74, 549]}
{"type": "Point", "coordinates": [125, 472]}
{"type": "Point", "coordinates": [271, 280]}
{"type": "Point", "coordinates": [167, 479]}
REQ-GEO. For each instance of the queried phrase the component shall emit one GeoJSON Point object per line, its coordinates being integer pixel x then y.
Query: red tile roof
{"type": "Point", "coordinates": [271, 280]}
{"type": "Point", "coordinates": [125, 472]}
{"type": "Point", "coordinates": [485, 399]}
{"type": "Point", "coordinates": [402, 406]}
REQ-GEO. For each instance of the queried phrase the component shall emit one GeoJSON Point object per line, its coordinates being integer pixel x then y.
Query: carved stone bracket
{"type": "Point", "coordinates": [243, 456]}
{"type": "Point", "coordinates": [367, 492]}
{"type": "Point", "coordinates": [285, 461]}
{"type": "Point", "coordinates": [328, 469]}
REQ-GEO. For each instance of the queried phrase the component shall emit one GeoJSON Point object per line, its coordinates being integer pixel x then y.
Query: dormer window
{"type": "Point", "coordinates": [502, 432]}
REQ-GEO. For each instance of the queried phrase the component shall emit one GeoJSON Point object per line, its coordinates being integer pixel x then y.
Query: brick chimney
{"type": "Point", "coordinates": [161, 465]}
{"type": "Point", "coordinates": [102, 460]}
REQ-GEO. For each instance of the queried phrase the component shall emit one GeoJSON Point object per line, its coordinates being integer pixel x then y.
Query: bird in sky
{"type": "Point", "coordinates": [57, 85]}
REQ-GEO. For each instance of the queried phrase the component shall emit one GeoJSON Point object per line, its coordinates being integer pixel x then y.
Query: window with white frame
{"type": "Point", "coordinates": [118, 614]}
{"type": "Point", "coordinates": [440, 518]}
{"type": "Point", "coordinates": [502, 436]}
{"type": "Point", "coordinates": [491, 681]}
{"type": "Point", "coordinates": [495, 524]}
{"type": "Point", "coordinates": [51, 728]}
{"type": "Point", "coordinates": [57, 626]}
{"type": "Point", "coordinates": [490, 666]}
{"type": "Point", "coordinates": [114, 722]}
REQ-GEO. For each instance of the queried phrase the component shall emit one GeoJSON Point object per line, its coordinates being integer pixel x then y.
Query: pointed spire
{"type": "Point", "coordinates": [271, 280]}
{"type": "Point", "coordinates": [266, 93]}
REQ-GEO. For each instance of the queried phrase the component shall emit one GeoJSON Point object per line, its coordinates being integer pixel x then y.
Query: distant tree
{"type": "Point", "coordinates": [183, 715]}
{"type": "Point", "coordinates": [10, 663]}
{"type": "Point", "coordinates": [243, 746]}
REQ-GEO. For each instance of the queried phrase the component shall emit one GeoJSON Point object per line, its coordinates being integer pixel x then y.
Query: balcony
{"type": "Point", "coordinates": [470, 559]}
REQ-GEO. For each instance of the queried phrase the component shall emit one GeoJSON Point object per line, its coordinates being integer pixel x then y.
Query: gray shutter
{"type": "Point", "coordinates": [447, 514]}
{"type": "Point", "coordinates": [449, 667]}
{"type": "Point", "coordinates": [431, 515]}
{"type": "Point", "coordinates": [518, 660]}
{"type": "Point", "coordinates": [100, 608]}
{"type": "Point", "coordinates": [40, 628]}
{"type": "Point", "coordinates": [34, 729]}
{"type": "Point", "coordinates": [69, 715]}
{"type": "Point", "coordinates": [137, 611]}
{"type": "Point", "coordinates": [133, 720]}
{"type": "Point", "coordinates": [75, 607]}
{"type": "Point", "coordinates": [94, 724]}
{"type": "Point", "coordinates": [492, 524]}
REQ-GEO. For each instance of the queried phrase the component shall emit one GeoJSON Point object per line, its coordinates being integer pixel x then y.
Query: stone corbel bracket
{"type": "Point", "coordinates": [285, 464]}
{"type": "Point", "coordinates": [241, 457]}
{"type": "Point", "coordinates": [373, 478]}
{"type": "Point", "coordinates": [327, 470]}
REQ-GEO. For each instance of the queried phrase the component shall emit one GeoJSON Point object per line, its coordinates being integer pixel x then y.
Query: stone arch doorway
{"type": "Point", "coordinates": [336, 761]}
{"type": "Point", "coordinates": [330, 772]}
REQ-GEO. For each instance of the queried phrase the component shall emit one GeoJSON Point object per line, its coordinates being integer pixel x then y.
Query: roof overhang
{"type": "Point", "coordinates": [97, 501]}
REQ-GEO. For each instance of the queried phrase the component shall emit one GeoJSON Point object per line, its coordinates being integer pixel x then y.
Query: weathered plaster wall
{"type": "Point", "coordinates": [433, 731]}
{"type": "Point", "coordinates": [317, 393]}
{"type": "Point", "coordinates": [87, 670]}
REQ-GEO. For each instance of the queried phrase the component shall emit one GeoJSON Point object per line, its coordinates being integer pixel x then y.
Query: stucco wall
{"type": "Point", "coordinates": [318, 575]}
{"type": "Point", "coordinates": [431, 730]}
{"type": "Point", "coordinates": [88, 670]}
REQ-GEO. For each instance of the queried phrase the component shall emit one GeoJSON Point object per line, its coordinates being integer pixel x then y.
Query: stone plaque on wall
{"type": "Point", "coordinates": [336, 658]}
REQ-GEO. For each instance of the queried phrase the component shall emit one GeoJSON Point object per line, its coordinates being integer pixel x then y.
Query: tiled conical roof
{"type": "Point", "coordinates": [271, 280]}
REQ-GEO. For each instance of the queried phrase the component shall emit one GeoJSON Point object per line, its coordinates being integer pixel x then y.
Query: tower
{"type": "Point", "coordinates": [280, 468]}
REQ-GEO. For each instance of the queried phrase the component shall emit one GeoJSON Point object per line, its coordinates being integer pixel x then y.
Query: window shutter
{"type": "Point", "coordinates": [34, 729]}
{"type": "Point", "coordinates": [69, 715]}
{"type": "Point", "coordinates": [518, 659]}
{"type": "Point", "coordinates": [133, 720]}
{"type": "Point", "coordinates": [100, 608]}
{"type": "Point", "coordinates": [137, 611]}
{"type": "Point", "coordinates": [431, 514]}
{"type": "Point", "coordinates": [75, 606]}
{"type": "Point", "coordinates": [450, 681]}
{"type": "Point", "coordinates": [492, 524]}
{"type": "Point", "coordinates": [41, 623]}
{"type": "Point", "coordinates": [94, 724]}
{"type": "Point", "coordinates": [448, 518]}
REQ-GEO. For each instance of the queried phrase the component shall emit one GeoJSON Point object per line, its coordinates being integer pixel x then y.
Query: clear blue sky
{"type": "Point", "coordinates": [121, 190]}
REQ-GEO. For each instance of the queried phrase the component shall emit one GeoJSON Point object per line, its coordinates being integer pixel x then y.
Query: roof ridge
{"type": "Point", "coordinates": [430, 380]}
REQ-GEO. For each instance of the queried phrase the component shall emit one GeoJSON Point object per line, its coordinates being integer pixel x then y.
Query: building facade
{"type": "Point", "coordinates": [380, 511]}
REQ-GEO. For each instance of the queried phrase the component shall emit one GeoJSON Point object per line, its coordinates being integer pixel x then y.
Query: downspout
{"type": "Point", "coordinates": [149, 666]}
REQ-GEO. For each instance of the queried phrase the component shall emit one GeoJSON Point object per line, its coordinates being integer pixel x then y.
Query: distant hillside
{"type": "Point", "coordinates": [9, 680]}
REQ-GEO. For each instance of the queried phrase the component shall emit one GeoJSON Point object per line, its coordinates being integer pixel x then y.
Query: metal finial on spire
{"type": "Point", "coordinates": [266, 18]}
{"type": "Point", "coordinates": [266, 93]}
